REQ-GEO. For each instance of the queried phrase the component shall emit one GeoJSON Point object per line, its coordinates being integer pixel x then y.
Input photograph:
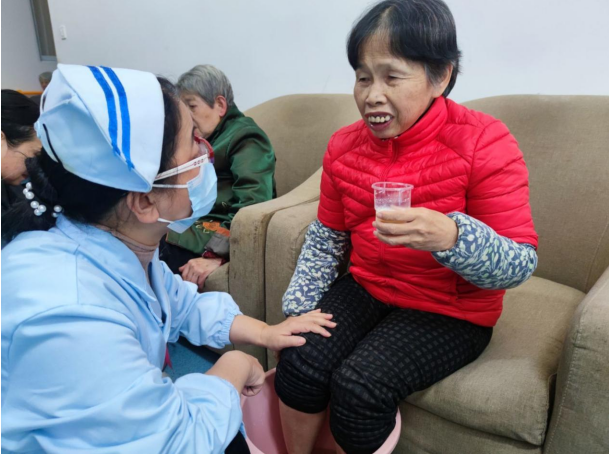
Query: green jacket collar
{"type": "Point", "coordinates": [232, 113]}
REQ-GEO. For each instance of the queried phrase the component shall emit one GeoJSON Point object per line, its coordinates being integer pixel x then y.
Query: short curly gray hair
{"type": "Point", "coordinates": [208, 82]}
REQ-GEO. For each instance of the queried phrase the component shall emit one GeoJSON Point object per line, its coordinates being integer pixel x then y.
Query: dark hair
{"type": "Point", "coordinates": [81, 200]}
{"type": "Point", "coordinates": [19, 113]}
{"type": "Point", "coordinates": [419, 30]}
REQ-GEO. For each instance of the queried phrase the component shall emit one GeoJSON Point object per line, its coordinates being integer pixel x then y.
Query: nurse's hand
{"type": "Point", "coordinates": [255, 380]}
{"type": "Point", "coordinates": [416, 228]}
{"type": "Point", "coordinates": [278, 337]}
{"type": "Point", "coordinates": [197, 270]}
{"type": "Point", "coordinates": [243, 371]}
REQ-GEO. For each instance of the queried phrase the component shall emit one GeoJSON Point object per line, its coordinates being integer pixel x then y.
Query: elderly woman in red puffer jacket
{"type": "Point", "coordinates": [426, 283]}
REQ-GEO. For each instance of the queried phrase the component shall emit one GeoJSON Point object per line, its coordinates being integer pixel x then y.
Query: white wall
{"type": "Point", "coordinates": [270, 48]}
{"type": "Point", "coordinates": [21, 63]}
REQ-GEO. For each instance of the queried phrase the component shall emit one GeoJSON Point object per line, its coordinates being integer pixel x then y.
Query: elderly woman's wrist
{"type": "Point", "coordinates": [452, 236]}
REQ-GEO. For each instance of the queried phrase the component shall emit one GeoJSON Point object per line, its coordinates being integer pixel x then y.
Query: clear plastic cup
{"type": "Point", "coordinates": [388, 195]}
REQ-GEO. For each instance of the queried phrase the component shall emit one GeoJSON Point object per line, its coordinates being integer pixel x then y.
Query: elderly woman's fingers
{"type": "Point", "coordinates": [398, 214]}
{"type": "Point", "coordinates": [185, 271]}
{"type": "Point", "coordinates": [189, 274]}
{"type": "Point", "coordinates": [387, 228]}
{"type": "Point", "coordinates": [201, 281]}
{"type": "Point", "coordinates": [394, 240]}
{"type": "Point", "coordinates": [192, 275]}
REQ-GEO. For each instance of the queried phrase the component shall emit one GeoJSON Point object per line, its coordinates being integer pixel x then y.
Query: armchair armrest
{"type": "Point", "coordinates": [581, 414]}
{"type": "Point", "coordinates": [248, 247]}
{"type": "Point", "coordinates": [285, 237]}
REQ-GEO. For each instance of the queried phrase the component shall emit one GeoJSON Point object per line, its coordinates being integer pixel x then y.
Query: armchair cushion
{"type": "Point", "coordinates": [425, 433]}
{"type": "Point", "coordinates": [508, 390]}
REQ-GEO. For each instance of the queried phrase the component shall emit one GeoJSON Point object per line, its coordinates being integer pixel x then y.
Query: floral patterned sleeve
{"type": "Point", "coordinates": [485, 258]}
{"type": "Point", "coordinates": [323, 252]}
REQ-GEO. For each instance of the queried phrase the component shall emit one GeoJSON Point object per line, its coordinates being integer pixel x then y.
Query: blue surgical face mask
{"type": "Point", "coordinates": [202, 191]}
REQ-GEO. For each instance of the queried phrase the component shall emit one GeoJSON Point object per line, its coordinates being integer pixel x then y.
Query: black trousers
{"type": "Point", "coordinates": [175, 256]}
{"type": "Point", "coordinates": [377, 356]}
{"type": "Point", "coordinates": [238, 445]}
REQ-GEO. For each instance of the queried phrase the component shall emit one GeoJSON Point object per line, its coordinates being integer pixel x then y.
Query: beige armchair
{"type": "Point", "coordinates": [542, 385]}
{"type": "Point", "coordinates": [299, 127]}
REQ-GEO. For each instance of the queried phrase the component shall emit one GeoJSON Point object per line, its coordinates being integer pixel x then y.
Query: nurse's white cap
{"type": "Point", "coordinates": [104, 125]}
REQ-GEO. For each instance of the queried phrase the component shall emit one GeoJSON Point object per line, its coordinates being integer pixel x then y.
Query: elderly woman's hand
{"type": "Point", "coordinates": [416, 228]}
{"type": "Point", "coordinates": [198, 270]}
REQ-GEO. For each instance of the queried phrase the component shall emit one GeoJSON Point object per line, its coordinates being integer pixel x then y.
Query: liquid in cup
{"type": "Point", "coordinates": [388, 195]}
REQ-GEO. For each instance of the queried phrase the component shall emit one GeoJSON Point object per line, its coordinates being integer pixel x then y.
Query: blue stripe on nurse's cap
{"type": "Point", "coordinates": [112, 122]}
{"type": "Point", "coordinates": [83, 115]}
{"type": "Point", "coordinates": [125, 118]}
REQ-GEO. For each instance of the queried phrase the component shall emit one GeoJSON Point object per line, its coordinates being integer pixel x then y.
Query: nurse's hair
{"type": "Point", "coordinates": [81, 200]}
{"type": "Point", "coordinates": [423, 31]}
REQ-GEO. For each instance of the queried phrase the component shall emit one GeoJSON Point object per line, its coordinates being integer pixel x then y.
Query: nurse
{"type": "Point", "coordinates": [88, 308]}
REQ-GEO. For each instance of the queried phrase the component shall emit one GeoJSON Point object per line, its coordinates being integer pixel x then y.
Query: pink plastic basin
{"type": "Point", "coordinates": [263, 426]}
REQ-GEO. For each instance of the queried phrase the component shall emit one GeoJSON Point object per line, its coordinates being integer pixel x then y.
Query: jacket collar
{"type": "Point", "coordinates": [232, 113]}
{"type": "Point", "coordinates": [420, 134]}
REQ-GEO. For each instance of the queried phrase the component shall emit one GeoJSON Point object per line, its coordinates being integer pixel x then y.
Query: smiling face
{"type": "Point", "coordinates": [391, 93]}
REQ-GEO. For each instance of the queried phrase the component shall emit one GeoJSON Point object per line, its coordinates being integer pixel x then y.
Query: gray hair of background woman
{"type": "Point", "coordinates": [208, 82]}
{"type": "Point", "coordinates": [45, 78]}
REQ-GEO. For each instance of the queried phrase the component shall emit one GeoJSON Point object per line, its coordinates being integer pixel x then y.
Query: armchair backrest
{"type": "Point", "coordinates": [300, 127]}
{"type": "Point", "coordinates": [565, 141]}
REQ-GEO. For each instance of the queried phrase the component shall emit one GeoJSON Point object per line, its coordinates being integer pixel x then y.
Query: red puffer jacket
{"type": "Point", "coordinates": [458, 160]}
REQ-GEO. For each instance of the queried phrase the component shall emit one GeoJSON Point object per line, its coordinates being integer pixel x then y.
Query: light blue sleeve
{"type": "Point", "coordinates": [323, 252]}
{"type": "Point", "coordinates": [80, 381]}
{"type": "Point", "coordinates": [203, 318]}
{"type": "Point", "coordinates": [485, 258]}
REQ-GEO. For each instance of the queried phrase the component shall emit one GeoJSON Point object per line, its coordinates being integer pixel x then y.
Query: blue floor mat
{"type": "Point", "coordinates": [188, 359]}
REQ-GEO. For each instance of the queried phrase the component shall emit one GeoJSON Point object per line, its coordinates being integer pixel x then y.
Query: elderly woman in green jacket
{"type": "Point", "coordinates": [244, 161]}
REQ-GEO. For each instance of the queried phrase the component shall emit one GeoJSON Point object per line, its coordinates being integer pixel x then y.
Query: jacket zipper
{"type": "Point", "coordinates": [393, 160]}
